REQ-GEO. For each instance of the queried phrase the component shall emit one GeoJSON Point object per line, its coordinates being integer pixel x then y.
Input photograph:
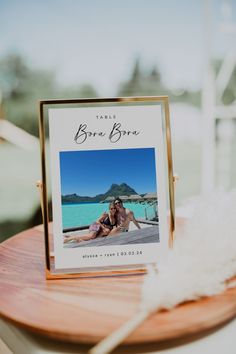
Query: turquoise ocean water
{"type": "Point", "coordinates": [86, 213]}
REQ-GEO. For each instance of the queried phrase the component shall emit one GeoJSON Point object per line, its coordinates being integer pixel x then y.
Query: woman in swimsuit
{"type": "Point", "coordinates": [102, 227]}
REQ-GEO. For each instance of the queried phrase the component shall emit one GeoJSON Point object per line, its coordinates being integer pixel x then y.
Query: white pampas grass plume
{"type": "Point", "coordinates": [203, 257]}
{"type": "Point", "coordinates": [199, 265]}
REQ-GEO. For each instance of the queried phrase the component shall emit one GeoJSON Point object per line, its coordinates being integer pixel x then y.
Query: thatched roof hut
{"type": "Point", "coordinates": [150, 196]}
{"type": "Point", "coordinates": [124, 197]}
{"type": "Point", "coordinates": [135, 198]}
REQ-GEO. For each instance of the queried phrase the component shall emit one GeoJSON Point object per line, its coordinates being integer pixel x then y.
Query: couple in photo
{"type": "Point", "coordinates": [111, 223]}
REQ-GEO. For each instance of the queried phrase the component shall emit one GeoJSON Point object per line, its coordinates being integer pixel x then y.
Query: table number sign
{"type": "Point", "coordinates": [108, 166]}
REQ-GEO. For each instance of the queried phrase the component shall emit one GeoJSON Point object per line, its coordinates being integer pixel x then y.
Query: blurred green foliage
{"type": "Point", "coordinates": [149, 82]}
{"type": "Point", "coordinates": [22, 86]}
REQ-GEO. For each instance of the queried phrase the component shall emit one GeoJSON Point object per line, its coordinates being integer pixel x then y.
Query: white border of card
{"type": "Point", "coordinates": [106, 153]}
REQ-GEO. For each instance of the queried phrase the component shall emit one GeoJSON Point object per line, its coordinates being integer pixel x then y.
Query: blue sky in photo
{"type": "Point", "coordinates": [88, 173]}
{"type": "Point", "coordinates": [97, 41]}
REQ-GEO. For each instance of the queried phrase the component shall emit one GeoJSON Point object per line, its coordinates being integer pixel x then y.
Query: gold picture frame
{"type": "Point", "coordinates": [64, 106]}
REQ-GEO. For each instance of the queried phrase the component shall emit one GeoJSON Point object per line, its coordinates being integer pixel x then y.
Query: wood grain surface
{"type": "Point", "coordinates": [86, 310]}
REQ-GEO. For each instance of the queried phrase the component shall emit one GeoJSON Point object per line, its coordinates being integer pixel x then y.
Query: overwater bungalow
{"type": "Point", "coordinates": [150, 196]}
{"type": "Point", "coordinates": [124, 198]}
{"type": "Point", "coordinates": [135, 198]}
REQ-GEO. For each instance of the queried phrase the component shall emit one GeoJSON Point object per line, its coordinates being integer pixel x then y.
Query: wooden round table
{"type": "Point", "coordinates": [87, 310]}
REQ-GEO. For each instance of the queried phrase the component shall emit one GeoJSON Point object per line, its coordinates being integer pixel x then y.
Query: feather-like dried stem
{"type": "Point", "coordinates": [118, 336]}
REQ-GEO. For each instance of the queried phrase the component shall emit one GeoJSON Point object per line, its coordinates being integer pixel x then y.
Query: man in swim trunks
{"type": "Point", "coordinates": [124, 216]}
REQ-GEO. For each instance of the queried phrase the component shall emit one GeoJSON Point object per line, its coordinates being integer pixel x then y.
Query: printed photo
{"type": "Point", "coordinates": [109, 197]}
{"type": "Point", "coordinates": [110, 180]}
